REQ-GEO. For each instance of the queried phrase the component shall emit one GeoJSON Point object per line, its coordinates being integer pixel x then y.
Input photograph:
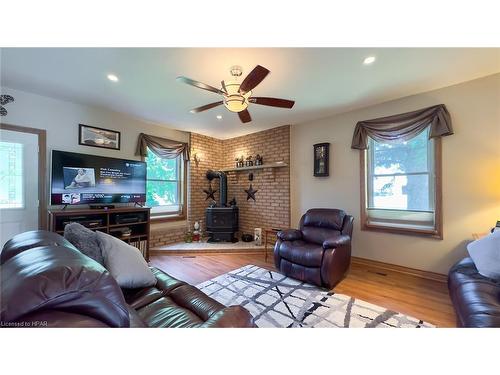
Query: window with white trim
{"type": "Point", "coordinates": [164, 185]}
{"type": "Point", "coordinates": [400, 185]}
{"type": "Point", "coordinates": [11, 175]}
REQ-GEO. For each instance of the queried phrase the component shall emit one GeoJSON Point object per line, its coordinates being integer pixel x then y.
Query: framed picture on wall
{"type": "Point", "coordinates": [98, 137]}
{"type": "Point", "coordinates": [321, 159]}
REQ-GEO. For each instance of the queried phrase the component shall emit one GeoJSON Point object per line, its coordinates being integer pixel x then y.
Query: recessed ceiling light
{"type": "Point", "coordinates": [112, 78]}
{"type": "Point", "coordinates": [219, 117]}
{"type": "Point", "coordinates": [369, 60]}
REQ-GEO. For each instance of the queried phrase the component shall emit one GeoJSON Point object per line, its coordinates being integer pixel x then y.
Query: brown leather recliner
{"type": "Point", "coordinates": [320, 251]}
{"type": "Point", "coordinates": [47, 282]}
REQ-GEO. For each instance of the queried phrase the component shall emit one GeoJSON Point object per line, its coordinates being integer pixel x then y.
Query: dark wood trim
{"type": "Point", "coordinates": [437, 232]}
{"type": "Point", "coordinates": [438, 170]}
{"type": "Point", "coordinates": [42, 166]}
{"type": "Point", "coordinates": [401, 269]}
{"type": "Point", "coordinates": [167, 219]}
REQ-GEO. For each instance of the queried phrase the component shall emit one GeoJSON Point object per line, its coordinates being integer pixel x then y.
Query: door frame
{"type": "Point", "coordinates": [42, 163]}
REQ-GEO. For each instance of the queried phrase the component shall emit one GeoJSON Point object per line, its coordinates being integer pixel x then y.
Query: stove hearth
{"type": "Point", "coordinates": [221, 220]}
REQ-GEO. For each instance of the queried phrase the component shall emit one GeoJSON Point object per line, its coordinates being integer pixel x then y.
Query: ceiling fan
{"type": "Point", "coordinates": [237, 95]}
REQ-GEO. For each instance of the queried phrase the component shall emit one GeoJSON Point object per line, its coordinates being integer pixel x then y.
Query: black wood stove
{"type": "Point", "coordinates": [221, 220]}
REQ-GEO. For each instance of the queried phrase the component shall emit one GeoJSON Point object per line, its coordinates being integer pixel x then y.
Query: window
{"type": "Point", "coordinates": [165, 186]}
{"type": "Point", "coordinates": [11, 175]}
{"type": "Point", "coordinates": [401, 190]}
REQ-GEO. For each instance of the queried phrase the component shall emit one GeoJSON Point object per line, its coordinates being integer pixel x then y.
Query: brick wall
{"type": "Point", "coordinates": [167, 236]}
{"type": "Point", "coordinates": [272, 206]}
{"type": "Point", "coordinates": [209, 150]}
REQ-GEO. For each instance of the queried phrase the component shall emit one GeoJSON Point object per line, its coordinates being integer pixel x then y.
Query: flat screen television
{"type": "Point", "coordinates": [89, 179]}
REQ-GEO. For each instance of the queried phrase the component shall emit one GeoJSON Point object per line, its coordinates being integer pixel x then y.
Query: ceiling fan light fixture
{"type": "Point", "coordinates": [233, 100]}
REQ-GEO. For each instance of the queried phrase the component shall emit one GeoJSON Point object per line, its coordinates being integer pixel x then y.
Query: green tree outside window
{"type": "Point", "coordinates": [163, 181]}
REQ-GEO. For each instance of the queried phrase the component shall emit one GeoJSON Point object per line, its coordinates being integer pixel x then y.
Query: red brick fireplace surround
{"type": "Point", "coordinates": [272, 206]}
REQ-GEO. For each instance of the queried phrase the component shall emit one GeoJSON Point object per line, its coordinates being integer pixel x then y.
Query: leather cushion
{"type": "Point", "coordinates": [165, 282]}
{"type": "Point", "coordinates": [141, 297]}
{"type": "Point", "coordinates": [476, 298]}
{"type": "Point", "coordinates": [289, 235]}
{"type": "Point", "coordinates": [27, 240]}
{"type": "Point", "coordinates": [301, 252]}
{"type": "Point", "coordinates": [191, 298]}
{"type": "Point", "coordinates": [58, 319]}
{"type": "Point", "coordinates": [296, 271]}
{"type": "Point", "coordinates": [164, 312]}
{"type": "Point", "coordinates": [60, 278]}
{"type": "Point", "coordinates": [318, 235]}
{"type": "Point", "coordinates": [328, 218]}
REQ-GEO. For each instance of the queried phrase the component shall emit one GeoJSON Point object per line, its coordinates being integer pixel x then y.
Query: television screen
{"type": "Point", "coordinates": [84, 179]}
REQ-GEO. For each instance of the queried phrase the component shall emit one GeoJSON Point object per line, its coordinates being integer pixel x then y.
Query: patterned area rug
{"type": "Point", "coordinates": [275, 300]}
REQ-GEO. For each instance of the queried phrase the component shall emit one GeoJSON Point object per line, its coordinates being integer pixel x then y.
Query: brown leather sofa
{"type": "Point", "coordinates": [320, 251]}
{"type": "Point", "coordinates": [476, 298]}
{"type": "Point", "coordinates": [47, 282]}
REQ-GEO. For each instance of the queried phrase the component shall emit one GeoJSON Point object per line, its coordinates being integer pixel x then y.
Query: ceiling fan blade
{"type": "Point", "coordinates": [205, 107]}
{"type": "Point", "coordinates": [200, 85]}
{"type": "Point", "coordinates": [253, 78]}
{"type": "Point", "coordinates": [273, 102]}
{"type": "Point", "coordinates": [245, 116]}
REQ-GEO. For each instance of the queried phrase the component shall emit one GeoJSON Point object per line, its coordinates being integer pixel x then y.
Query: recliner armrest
{"type": "Point", "coordinates": [290, 235]}
{"type": "Point", "coordinates": [334, 242]}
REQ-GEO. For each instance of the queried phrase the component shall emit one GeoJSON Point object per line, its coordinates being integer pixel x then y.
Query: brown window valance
{"type": "Point", "coordinates": [163, 148]}
{"type": "Point", "coordinates": [403, 126]}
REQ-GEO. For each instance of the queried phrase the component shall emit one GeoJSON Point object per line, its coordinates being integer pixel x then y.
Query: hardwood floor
{"type": "Point", "coordinates": [409, 294]}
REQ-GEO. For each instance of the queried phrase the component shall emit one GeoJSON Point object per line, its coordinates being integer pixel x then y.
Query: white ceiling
{"type": "Point", "coordinates": [322, 81]}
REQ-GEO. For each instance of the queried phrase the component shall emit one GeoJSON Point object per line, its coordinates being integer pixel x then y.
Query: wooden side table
{"type": "Point", "coordinates": [270, 234]}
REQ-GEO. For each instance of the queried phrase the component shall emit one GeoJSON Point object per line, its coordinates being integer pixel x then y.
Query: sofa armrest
{"type": "Point", "coordinates": [230, 317]}
{"type": "Point", "coordinates": [289, 235]}
{"type": "Point", "coordinates": [337, 241]}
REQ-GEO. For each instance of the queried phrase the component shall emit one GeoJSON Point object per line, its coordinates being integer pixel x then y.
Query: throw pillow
{"type": "Point", "coordinates": [485, 253]}
{"type": "Point", "coordinates": [125, 263]}
{"type": "Point", "coordinates": [84, 240]}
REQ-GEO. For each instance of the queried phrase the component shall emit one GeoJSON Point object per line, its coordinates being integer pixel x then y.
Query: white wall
{"type": "Point", "coordinates": [61, 118]}
{"type": "Point", "coordinates": [471, 173]}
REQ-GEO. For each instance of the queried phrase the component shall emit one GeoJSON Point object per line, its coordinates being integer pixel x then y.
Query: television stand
{"type": "Point", "coordinates": [101, 206]}
{"type": "Point", "coordinates": [129, 224]}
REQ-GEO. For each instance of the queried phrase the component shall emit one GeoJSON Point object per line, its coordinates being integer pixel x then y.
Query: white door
{"type": "Point", "coordinates": [18, 183]}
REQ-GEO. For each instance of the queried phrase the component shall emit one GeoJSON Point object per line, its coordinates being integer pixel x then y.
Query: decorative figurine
{"type": "Point", "coordinates": [232, 202]}
{"type": "Point", "coordinates": [210, 192]}
{"type": "Point", "coordinates": [196, 232]}
{"type": "Point", "coordinates": [251, 192]}
{"type": "Point", "coordinates": [259, 160]}
{"type": "Point", "coordinates": [249, 162]}
{"type": "Point", "coordinates": [188, 237]}
{"type": "Point", "coordinates": [239, 162]}
{"type": "Point", "coordinates": [257, 234]}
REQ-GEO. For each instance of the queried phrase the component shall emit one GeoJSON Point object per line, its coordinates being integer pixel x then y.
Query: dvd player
{"type": "Point", "coordinates": [130, 218]}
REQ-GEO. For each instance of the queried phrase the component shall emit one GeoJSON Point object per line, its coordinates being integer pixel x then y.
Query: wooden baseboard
{"type": "Point", "coordinates": [401, 269]}
{"type": "Point", "coordinates": [206, 252]}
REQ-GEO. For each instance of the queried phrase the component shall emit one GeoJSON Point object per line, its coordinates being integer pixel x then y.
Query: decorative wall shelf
{"type": "Point", "coordinates": [277, 164]}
